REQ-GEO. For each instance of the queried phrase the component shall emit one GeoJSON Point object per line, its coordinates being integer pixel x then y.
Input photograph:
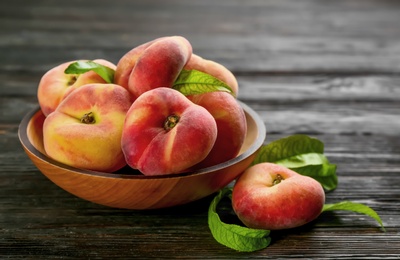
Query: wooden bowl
{"type": "Point", "coordinates": [128, 188]}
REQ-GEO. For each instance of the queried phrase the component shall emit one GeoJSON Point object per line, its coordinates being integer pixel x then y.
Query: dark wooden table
{"type": "Point", "coordinates": [328, 69]}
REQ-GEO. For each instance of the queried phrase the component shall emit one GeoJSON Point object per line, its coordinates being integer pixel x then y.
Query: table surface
{"type": "Point", "coordinates": [328, 69]}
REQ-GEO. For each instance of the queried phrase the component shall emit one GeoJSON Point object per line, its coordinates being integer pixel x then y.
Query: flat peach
{"type": "Point", "coordinates": [152, 65]}
{"type": "Point", "coordinates": [165, 133]}
{"type": "Point", "coordinates": [85, 129]}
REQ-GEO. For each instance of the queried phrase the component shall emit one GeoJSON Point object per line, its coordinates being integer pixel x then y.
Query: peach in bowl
{"type": "Point", "coordinates": [128, 188]}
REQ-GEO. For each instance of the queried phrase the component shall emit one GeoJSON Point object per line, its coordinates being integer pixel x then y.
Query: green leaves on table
{"type": "Point", "coordinates": [303, 155]}
{"type": "Point", "coordinates": [354, 207]}
{"type": "Point", "coordinates": [80, 67]}
{"type": "Point", "coordinates": [191, 82]}
{"type": "Point", "coordinates": [237, 237]}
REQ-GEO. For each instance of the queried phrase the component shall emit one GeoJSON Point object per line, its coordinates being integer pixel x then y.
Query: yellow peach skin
{"type": "Point", "coordinates": [55, 85]}
{"type": "Point", "coordinates": [85, 130]}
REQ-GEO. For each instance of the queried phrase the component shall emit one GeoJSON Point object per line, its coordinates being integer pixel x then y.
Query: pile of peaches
{"type": "Point", "coordinates": [138, 119]}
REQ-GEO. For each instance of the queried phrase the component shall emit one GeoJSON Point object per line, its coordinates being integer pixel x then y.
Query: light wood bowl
{"type": "Point", "coordinates": [128, 188]}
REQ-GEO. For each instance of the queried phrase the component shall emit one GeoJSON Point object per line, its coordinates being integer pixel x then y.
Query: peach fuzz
{"type": "Point", "coordinates": [214, 69]}
{"type": "Point", "coordinates": [231, 125]}
{"type": "Point", "coordinates": [85, 130]}
{"type": "Point", "coordinates": [166, 133]}
{"type": "Point", "coordinates": [127, 62]}
{"type": "Point", "coordinates": [55, 85]}
{"type": "Point", "coordinates": [270, 196]}
{"type": "Point", "coordinates": [154, 64]}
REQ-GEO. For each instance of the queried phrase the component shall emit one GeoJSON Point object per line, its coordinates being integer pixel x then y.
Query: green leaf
{"type": "Point", "coordinates": [236, 237]}
{"type": "Point", "coordinates": [192, 82]}
{"type": "Point", "coordinates": [354, 207]}
{"type": "Point", "coordinates": [323, 173]}
{"type": "Point", "coordinates": [303, 155]}
{"type": "Point", "coordinates": [288, 147]}
{"type": "Point", "coordinates": [80, 67]}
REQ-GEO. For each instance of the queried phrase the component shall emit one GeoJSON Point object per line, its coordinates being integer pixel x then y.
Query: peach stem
{"type": "Point", "coordinates": [171, 122]}
{"type": "Point", "coordinates": [88, 118]}
{"type": "Point", "coordinates": [277, 180]}
{"type": "Point", "coordinates": [72, 80]}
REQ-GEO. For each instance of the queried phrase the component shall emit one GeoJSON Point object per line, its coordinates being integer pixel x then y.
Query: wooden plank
{"type": "Point", "coordinates": [307, 37]}
{"type": "Point", "coordinates": [239, 55]}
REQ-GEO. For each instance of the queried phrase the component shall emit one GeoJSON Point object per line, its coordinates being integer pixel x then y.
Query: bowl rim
{"type": "Point", "coordinates": [261, 135]}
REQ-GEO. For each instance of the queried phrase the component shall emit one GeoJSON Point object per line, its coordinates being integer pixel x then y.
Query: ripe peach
{"type": "Point", "coordinates": [127, 63]}
{"type": "Point", "coordinates": [166, 133]}
{"type": "Point", "coordinates": [214, 69]}
{"type": "Point", "coordinates": [85, 129]}
{"type": "Point", "coordinates": [55, 85]}
{"type": "Point", "coordinates": [270, 196]}
{"type": "Point", "coordinates": [153, 64]}
{"type": "Point", "coordinates": [231, 125]}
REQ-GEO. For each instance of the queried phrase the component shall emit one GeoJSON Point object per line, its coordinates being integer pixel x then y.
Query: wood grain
{"type": "Point", "coordinates": [329, 69]}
